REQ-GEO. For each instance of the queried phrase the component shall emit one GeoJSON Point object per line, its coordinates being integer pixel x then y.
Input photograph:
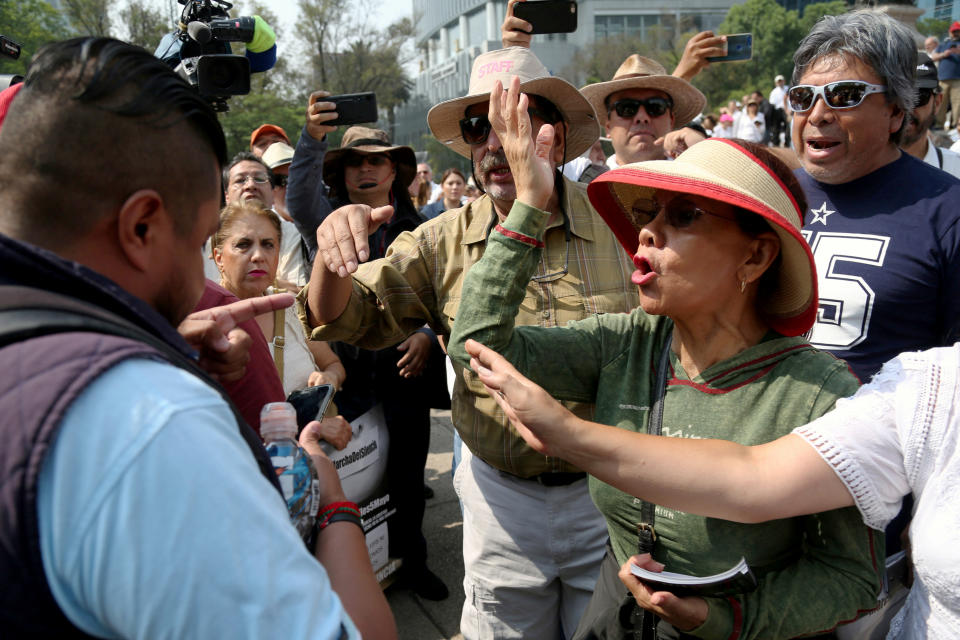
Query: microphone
{"type": "Point", "coordinates": [199, 31]}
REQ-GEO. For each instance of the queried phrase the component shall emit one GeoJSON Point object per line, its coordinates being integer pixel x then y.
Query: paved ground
{"type": "Point", "coordinates": [419, 619]}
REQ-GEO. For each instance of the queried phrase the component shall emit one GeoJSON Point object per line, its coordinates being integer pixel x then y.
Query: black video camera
{"type": "Point", "coordinates": [9, 49]}
{"type": "Point", "coordinates": [199, 50]}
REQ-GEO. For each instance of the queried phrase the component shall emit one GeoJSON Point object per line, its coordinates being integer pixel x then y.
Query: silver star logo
{"type": "Point", "coordinates": [820, 215]}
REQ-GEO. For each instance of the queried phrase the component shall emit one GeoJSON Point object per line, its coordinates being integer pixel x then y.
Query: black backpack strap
{"type": "Point", "coordinates": [30, 313]}
{"type": "Point", "coordinates": [939, 155]}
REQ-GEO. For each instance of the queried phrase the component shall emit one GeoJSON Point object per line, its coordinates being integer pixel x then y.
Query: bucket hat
{"type": "Point", "coordinates": [638, 72]}
{"type": "Point", "coordinates": [367, 140]}
{"type": "Point", "coordinates": [277, 155]}
{"type": "Point", "coordinates": [721, 170]}
{"type": "Point", "coordinates": [503, 64]}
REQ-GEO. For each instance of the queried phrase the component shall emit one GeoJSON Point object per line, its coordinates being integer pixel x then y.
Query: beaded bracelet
{"type": "Point", "coordinates": [338, 507]}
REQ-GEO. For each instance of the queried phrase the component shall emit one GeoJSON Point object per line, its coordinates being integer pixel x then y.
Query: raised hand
{"type": "Point", "coordinates": [698, 48]}
{"type": "Point", "coordinates": [342, 237]}
{"type": "Point", "coordinates": [319, 113]}
{"type": "Point", "coordinates": [515, 32]}
{"type": "Point", "coordinates": [531, 159]}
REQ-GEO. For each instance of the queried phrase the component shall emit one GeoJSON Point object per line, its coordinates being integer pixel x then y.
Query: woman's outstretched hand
{"type": "Point", "coordinates": [530, 159]}
{"type": "Point", "coordinates": [542, 421]}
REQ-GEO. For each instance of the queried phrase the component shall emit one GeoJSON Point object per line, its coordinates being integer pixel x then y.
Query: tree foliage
{"type": "Point", "coordinates": [933, 27]}
{"type": "Point", "coordinates": [89, 17]}
{"type": "Point", "coordinates": [31, 23]}
{"type": "Point", "coordinates": [144, 25]}
{"type": "Point", "coordinates": [776, 34]}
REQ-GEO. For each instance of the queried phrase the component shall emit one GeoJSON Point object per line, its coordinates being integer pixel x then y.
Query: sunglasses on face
{"type": "Point", "coordinates": [355, 160]}
{"type": "Point", "coordinates": [476, 129]}
{"type": "Point", "coordinates": [279, 181]}
{"type": "Point", "coordinates": [845, 94]}
{"type": "Point", "coordinates": [924, 95]}
{"type": "Point", "coordinates": [654, 106]}
{"type": "Point", "coordinates": [679, 213]}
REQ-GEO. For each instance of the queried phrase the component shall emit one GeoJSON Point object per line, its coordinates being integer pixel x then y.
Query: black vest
{"type": "Point", "coordinates": [51, 349]}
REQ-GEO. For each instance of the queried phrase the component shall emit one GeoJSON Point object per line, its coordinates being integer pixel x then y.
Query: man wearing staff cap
{"type": "Point", "coordinates": [533, 539]}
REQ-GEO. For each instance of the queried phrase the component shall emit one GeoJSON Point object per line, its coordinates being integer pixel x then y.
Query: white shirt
{"type": "Point", "coordinates": [155, 521]}
{"type": "Point", "coordinates": [897, 435]}
{"type": "Point", "coordinates": [777, 95]}
{"type": "Point", "coordinates": [951, 159]}
{"type": "Point", "coordinates": [744, 127]}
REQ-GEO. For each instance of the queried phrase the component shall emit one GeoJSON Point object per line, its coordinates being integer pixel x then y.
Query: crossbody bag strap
{"type": "Point", "coordinates": [279, 321]}
{"type": "Point", "coordinates": [939, 155]}
{"type": "Point", "coordinates": [646, 534]}
{"type": "Point", "coordinates": [645, 622]}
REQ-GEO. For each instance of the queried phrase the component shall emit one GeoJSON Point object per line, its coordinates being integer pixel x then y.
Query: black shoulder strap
{"type": "Point", "coordinates": [646, 533]}
{"type": "Point", "coordinates": [29, 313]}
{"type": "Point", "coordinates": [939, 155]}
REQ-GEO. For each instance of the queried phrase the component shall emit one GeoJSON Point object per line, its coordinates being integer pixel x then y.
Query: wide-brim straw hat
{"type": "Point", "coordinates": [724, 171]}
{"type": "Point", "coordinates": [638, 72]}
{"type": "Point", "coordinates": [503, 64]}
{"type": "Point", "coordinates": [367, 140]}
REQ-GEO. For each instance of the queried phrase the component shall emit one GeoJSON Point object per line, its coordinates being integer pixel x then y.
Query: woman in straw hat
{"type": "Point", "coordinates": [727, 286]}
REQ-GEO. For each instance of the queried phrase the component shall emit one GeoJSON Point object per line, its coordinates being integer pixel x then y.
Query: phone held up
{"type": "Point", "coordinates": [353, 108]}
{"type": "Point", "coordinates": [548, 16]}
{"type": "Point", "coordinates": [310, 403]}
{"type": "Point", "coordinates": [739, 47]}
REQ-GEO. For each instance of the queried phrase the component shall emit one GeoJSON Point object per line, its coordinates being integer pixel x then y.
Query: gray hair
{"type": "Point", "coordinates": [879, 41]}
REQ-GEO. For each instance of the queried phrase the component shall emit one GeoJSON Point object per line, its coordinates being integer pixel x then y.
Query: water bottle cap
{"type": "Point", "coordinates": [278, 419]}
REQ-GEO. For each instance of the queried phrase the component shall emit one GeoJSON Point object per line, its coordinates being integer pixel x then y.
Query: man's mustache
{"type": "Point", "coordinates": [489, 161]}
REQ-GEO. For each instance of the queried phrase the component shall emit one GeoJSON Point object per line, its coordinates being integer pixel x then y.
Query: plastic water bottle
{"type": "Point", "coordinates": [295, 470]}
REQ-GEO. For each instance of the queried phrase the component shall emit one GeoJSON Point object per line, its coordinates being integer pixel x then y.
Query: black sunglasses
{"type": "Point", "coordinates": [845, 94]}
{"type": "Point", "coordinates": [357, 159]}
{"type": "Point", "coordinates": [679, 213]}
{"type": "Point", "coordinates": [654, 106]}
{"type": "Point", "coordinates": [476, 129]}
{"type": "Point", "coordinates": [279, 181]}
{"type": "Point", "coordinates": [924, 95]}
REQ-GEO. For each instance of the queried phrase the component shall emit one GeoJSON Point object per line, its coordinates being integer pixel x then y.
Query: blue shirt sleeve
{"type": "Point", "coordinates": [307, 200]}
{"type": "Point", "coordinates": [156, 523]}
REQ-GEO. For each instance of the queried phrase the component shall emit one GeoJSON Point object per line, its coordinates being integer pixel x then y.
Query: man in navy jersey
{"type": "Point", "coordinates": [882, 224]}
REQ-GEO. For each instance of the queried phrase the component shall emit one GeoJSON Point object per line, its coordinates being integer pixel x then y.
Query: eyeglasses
{"type": "Point", "coordinates": [679, 213]}
{"type": "Point", "coordinates": [279, 181]}
{"type": "Point", "coordinates": [476, 129]}
{"type": "Point", "coordinates": [924, 95]}
{"type": "Point", "coordinates": [357, 159]}
{"type": "Point", "coordinates": [240, 180]}
{"type": "Point", "coordinates": [845, 94]}
{"type": "Point", "coordinates": [654, 106]}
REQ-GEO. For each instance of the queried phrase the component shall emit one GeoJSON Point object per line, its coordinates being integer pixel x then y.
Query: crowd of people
{"type": "Point", "coordinates": [657, 354]}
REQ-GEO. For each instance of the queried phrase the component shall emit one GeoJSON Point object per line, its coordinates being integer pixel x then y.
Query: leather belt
{"type": "Point", "coordinates": [557, 478]}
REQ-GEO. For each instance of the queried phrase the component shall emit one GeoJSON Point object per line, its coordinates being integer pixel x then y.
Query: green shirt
{"type": "Point", "coordinates": [814, 571]}
{"type": "Point", "coordinates": [420, 281]}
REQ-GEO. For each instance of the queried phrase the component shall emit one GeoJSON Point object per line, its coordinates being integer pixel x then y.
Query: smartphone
{"type": "Point", "coordinates": [310, 403]}
{"type": "Point", "coordinates": [548, 16]}
{"type": "Point", "coordinates": [739, 47]}
{"type": "Point", "coordinates": [354, 108]}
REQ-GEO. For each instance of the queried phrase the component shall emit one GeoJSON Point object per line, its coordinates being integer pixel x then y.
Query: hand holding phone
{"type": "Point", "coordinates": [548, 16]}
{"type": "Point", "coordinates": [739, 46]}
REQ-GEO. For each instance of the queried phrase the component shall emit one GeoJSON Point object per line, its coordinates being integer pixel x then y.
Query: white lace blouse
{"type": "Point", "coordinates": [896, 435]}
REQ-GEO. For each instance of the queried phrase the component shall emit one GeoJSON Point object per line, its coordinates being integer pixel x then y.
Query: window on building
{"type": "Point", "coordinates": [943, 11]}
{"type": "Point", "coordinates": [613, 26]}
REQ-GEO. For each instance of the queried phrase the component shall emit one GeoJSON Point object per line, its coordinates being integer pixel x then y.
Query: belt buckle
{"type": "Point", "coordinates": [649, 528]}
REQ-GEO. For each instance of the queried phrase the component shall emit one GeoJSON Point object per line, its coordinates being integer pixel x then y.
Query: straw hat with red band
{"type": "Point", "coordinates": [724, 171]}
